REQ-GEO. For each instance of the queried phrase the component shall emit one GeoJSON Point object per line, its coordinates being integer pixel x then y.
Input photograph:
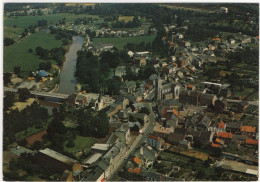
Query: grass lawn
{"type": "Point", "coordinates": [120, 42]}
{"type": "Point", "coordinates": [81, 143]}
{"type": "Point", "coordinates": [27, 132]}
{"type": "Point", "coordinates": [17, 55]}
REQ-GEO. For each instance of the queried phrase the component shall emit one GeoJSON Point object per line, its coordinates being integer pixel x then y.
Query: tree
{"type": "Point", "coordinates": [24, 94]}
{"type": "Point", "coordinates": [70, 143]}
{"type": "Point", "coordinates": [144, 110]}
{"type": "Point", "coordinates": [8, 41]}
{"type": "Point", "coordinates": [7, 78]}
{"type": "Point", "coordinates": [8, 100]}
{"type": "Point", "coordinates": [30, 50]}
{"type": "Point", "coordinates": [17, 69]}
{"type": "Point", "coordinates": [37, 145]}
{"type": "Point", "coordinates": [197, 143]}
{"type": "Point", "coordinates": [65, 41]}
{"type": "Point", "coordinates": [201, 174]}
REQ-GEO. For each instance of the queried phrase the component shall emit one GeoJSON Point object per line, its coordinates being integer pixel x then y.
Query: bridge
{"type": "Point", "coordinates": [41, 94]}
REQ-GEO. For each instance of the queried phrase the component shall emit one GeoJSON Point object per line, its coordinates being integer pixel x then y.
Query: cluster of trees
{"type": "Point", "coordinates": [26, 162]}
{"type": "Point", "coordinates": [8, 41]}
{"type": "Point", "coordinates": [45, 66]}
{"type": "Point", "coordinates": [142, 46]}
{"type": "Point", "coordinates": [16, 121]}
{"type": "Point", "coordinates": [83, 21]}
{"type": "Point", "coordinates": [91, 34]}
{"type": "Point", "coordinates": [92, 123]}
{"type": "Point", "coordinates": [30, 29]}
{"type": "Point", "coordinates": [131, 24]}
{"type": "Point", "coordinates": [60, 33]}
{"type": "Point", "coordinates": [94, 72]}
{"type": "Point", "coordinates": [56, 53]}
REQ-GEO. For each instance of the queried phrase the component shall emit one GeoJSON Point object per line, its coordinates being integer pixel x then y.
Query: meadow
{"type": "Point", "coordinates": [18, 55]}
{"type": "Point", "coordinates": [120, 42]}
{"type": "Point", "coordinates": [81, 143]}
{"type": "Point", "coordinates": [22, 22]}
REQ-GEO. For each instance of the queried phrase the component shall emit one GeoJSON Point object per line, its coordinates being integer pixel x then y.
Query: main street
{"type": "Point", "coordinates": [255, 103]}
{"type": "Point", "coordinates": [148, 128]}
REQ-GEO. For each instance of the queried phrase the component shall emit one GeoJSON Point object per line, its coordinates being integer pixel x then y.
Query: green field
{"type": "Point", "coordinates": [81, 143]}
{"type": "Point", "coordinates": [22, 22]}
{"type": "Point", "coordinates": [26, 21]}
{"type": "Point", "coordinates": [17, 55]}
{"type": "Point", "coordinates": [119, 42]}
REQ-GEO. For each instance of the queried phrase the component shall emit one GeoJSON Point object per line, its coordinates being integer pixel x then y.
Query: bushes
{"type": "Point", "coordinates": [70, 143]}
{"type": "Point", "coordinates": [8, 41]}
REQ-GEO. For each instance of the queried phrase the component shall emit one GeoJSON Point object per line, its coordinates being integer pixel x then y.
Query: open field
{"type": "Point", "coordinates": [187, 7]}
{"type": "Point", "coordinates": [28, 132]}
{"type": "Point", "coordinates": [13, 33]}
{"type": "Point", "coordinates": [26, 21]}
{"type": "Point", "coordinates": [23, 22]}
{"type": "Point", "coordinates": [36, 137]}
{"type": "Point", "coordinates": [125, 18]}
{"type": "Point", "coordinates": [17, 55]}
{"type": "Point", "coordinates": [81, 143]}
{"type": "Point", "coordinates": [120, 42]}
{"type": "Point", "coordinates": [22, 105]}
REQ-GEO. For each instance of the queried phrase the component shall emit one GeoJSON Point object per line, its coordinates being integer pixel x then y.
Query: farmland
{"type": "Point", "coordinates": [125, 18]}
{"type": "Point", "coordinates": [22, 22]}
{"type": "Point", "coordinates": [28, 61]}
{"type": "Point", "coordinates": [119, 42]}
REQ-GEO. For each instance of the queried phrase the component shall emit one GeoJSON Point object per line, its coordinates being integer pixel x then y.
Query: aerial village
{"type": "Point", "coordinates": [173, 126]}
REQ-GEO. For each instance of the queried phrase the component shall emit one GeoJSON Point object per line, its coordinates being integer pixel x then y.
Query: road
{"type": "Point", "coordinates": [148, 128]}
{"type": "Point", "coordinates": [255, 103]}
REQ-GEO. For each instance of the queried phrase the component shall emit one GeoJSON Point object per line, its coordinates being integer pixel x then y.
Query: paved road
{"type": "Point", "coordinates": [255, 103]}
{"type": "Point", "coordinates": [148, 128]}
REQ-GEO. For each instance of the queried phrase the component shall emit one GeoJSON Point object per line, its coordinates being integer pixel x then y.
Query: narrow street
{"type": "Point", "coordinates": [148, 128]}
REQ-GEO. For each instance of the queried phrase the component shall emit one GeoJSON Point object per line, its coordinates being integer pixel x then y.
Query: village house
{"type": "Point", "coordinates": [189, 97]}
{"type": "Point", "coordinates": [242, 106]}
{"type": "Point", "coordinates": [120, 71]}
{"type": "Point", "coordinates": [176, 138]}
{"type": "Point", "coordinates": [248, 131]}
{"type": "Point", "coordinates": [59, 162]}
{"type": "Point", "coordinates": [155, 142]}
{"type": "Point", "coordinates": [226, 137]}
{"type": "Point", "coordinates": [162, 132]}
{"type": "Point", "coordinates": [233, 127]}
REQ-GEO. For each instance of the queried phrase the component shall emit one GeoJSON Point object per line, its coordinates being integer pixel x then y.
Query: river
{"type": "Point", "coordinates": [67, 79]}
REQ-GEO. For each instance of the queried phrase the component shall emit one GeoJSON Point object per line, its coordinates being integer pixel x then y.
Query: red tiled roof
{"type": "Point", "coordinates": [137, 160]}
{"type": "Point", "coordinates": [221, 124]}
{"type": "Point", "coordinates": [153, 137]}
{"type": "Point", "coordinates": [248, 129]}
{"type": "Point", "coordinates": [190, 86]}
{"type": "Point", "coordinates": [217, 39]}
{"type": "Point", "coordinates": [251, 142]}
{"type": "Point", "coordinates": [175, 112]}
{"type": "Point", "coordinates": [130, 170]}
{"type": "Point", "coordinates": [166, 143]}
{"type": "Point", "coordinates": [218, 140]}
{"type": "Point", "coordinates": [215, 145]}
{"type": "Point", "coordinates": [137, 170]}
{"type": "Point", "coordinates": [224, 135]}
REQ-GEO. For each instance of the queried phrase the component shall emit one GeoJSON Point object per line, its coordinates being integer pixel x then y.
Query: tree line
{"type": "Point", "coordinates": [95, 72]}
{"type": "Point", "coordinates": [55, 53]}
